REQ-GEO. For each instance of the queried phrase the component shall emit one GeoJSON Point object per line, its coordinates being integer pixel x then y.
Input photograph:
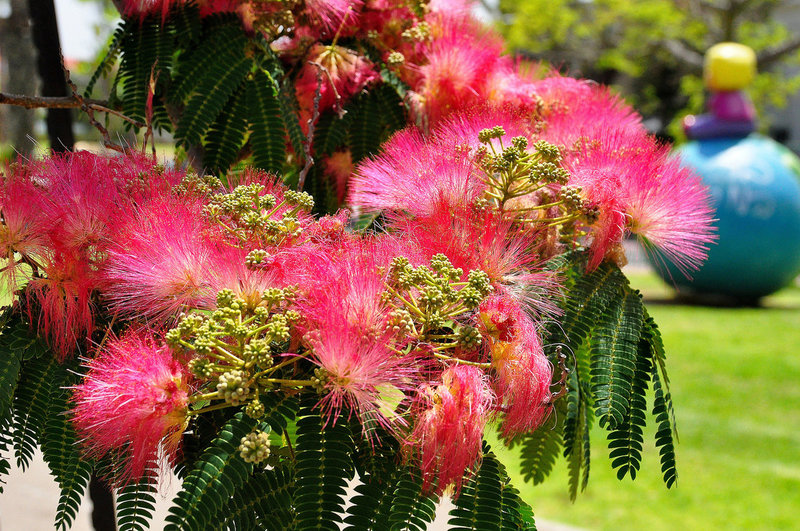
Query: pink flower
{"type": "Point", "coordinates": [457, 70]}
{"type": "Point", "coordinates": [448, 427]}
{"type": "Point", "coordinates": [362, 375]}
{"type": "Point", "coordinates": [60, 304]}
{"type": "Point", "coordinates": [639, 189]}
{"type": "Point", "coordinates": [345, 74]}
{"type": "Point", "coordinates": [143, 8]}
{"type": "Point", "coordinates": [523, 371]}
{"type": "Point", "coordinates": [132, 403]}
{"type": "Point", "coordinates": [413, 174]}
{"type": "Point", "coordinates": [161, 261]}
{"type": "Point", "coordinates": [330, 14]}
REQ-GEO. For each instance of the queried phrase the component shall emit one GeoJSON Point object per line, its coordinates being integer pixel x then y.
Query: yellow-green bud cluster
{"type": "Point", "coordinates": [255, 257]}
{"type": "Point", "coordinates": [419, 32]}
{"type": "Point", "coordinates": [255, 409]}
{"type": "Point", "coordinates": [254, 447]}
{"type": "Point", "coordinates": [395, 58]}
{"type": "Point", "coordinates": [469, 336]}
{"type": "Point", "coordinates": [320, 380]}
{"type": "Point", "coordinates": [434, 295]}
{"type": "Point", "coordinates": [233, 386]}
{"type": "Point", "coordinates": [202, 368]}
{"type": "Point", "coordinates": [193, 184]}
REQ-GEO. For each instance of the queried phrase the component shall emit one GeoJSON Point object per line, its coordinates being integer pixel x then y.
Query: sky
{"type": "Point", "coordinates": [81, 28]}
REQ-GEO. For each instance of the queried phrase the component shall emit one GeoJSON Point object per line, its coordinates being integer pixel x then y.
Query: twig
{"type": "Point", "coordinates": [62, 102]}
{"type": "Point", "coordinates": [310, 136]}
{"type": "Point", "coordinates": [90, 112]}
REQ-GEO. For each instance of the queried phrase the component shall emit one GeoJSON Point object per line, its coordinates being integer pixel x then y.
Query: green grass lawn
{"type": "Point", "coordinates": [736, 387]}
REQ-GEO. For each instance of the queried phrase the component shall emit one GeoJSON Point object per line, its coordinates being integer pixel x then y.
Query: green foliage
{"type": "Point", "coordinates": [60, 447]}
{"type": "Point", "coordinates": [218, 473]}
{"type": "Point", "coordinates": [135, 504]}
{"type": "Point", "coordinates": [31, 406]}
{"type": "Point", "coordinates": [488, 501]}
{"type": "Point", "coordinates": [266, 123]}
{"type": "Point", "coordinates": [324, 466]}
{"type": "Point", "coordinates": [264, 502]}
{"type": "Point", "coordinates": [617, 349]}
{"type": "Point", "coordinates": [411, 509]}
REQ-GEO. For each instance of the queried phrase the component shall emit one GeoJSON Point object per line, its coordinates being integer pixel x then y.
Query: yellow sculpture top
{"type": "Point", "coordinates": [729, 66]}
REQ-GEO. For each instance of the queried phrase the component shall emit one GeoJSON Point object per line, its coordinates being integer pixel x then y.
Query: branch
{"type": "Point", "coordinates": [62, 102]}
{"type": "Point", "coordinates": [766, 57]}
{"type": "Point", "coordinates": [685, 53]}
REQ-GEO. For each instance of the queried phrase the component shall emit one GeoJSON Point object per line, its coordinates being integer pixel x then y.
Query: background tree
{"type": "Point", "coordinates": [653, 51]}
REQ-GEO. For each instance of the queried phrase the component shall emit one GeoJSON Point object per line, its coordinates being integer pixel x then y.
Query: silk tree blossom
{"type": "Point", "coordinates": [639, 189]}
{"type": "Point", "coordinates": [523, 372]}
{"type": "Point", "coordinates": [484, 240]}
{"type": "Point", "coordinates": [448, 429]}
{"type": "Point", "coordinates": [161, 261]}
{"type": "Point", "coordinates": [414, 174]}
{"type": "Point", "coordinates": [361, 374]}
{"type": "Point", "coordinates": [337, 72]}
{"type": "Point", "coordinates": [133, 403]}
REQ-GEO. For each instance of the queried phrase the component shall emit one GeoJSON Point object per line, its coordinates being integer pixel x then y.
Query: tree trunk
{"type": "Point", "coordinates": [16, 45]}
{"type": "Point", "coordinates": [45, 37]}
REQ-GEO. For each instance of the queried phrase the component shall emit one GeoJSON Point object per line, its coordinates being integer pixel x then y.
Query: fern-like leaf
{"type": "Point", "coordinates": [279, 409]}
{"type": "Point", "coordinates": [365, 132]}
{"type": "Point", "coordinates": [267, 136]}
{"type": "Point", "coordinates": [289, 113]}
{"type": "Point", "coordinates": [135, 504]}
{"type": "Point", "coordinates": [31, 404]}
{"type": "Point", "coordinates": [488, 501]}
{"type": "Point", "coordinates": [626, 441]}
{"type": "Point", "coordinates": [263, 503]}
{"type": "Point", "coordinates": [412, 510]}
{"type": "Point", "coordinates": [371, 505]}
{"type": "Point", "coordinates": [576, 437]}
{"type": "Point", "coordinates": [222, 45]}
{"type": "Point", "coordinates": [10, 367]}
{"type": "Point", "coordinates": [107, 62]}
{"type": "Point", "coordinates": [60, 448]}
{"type": "Point", "coordinates": [214, 88]}
{"type": "Point", "coordinates": [324, 466]}
{"type": "Point", "coordinates": [539, 451]}
{"type": "Point", "coordinates": [662, 410]}
{"type": "Point", "coordinates": [5, 447]}
{"type": "Point", "coordinates": [227, 134]}
{"type": "Point", "coordinates": [615, 343]}
{"type": "Point", "coordinates": [215, 477]}
{"type": "Point", "coordinates": [145, 46]}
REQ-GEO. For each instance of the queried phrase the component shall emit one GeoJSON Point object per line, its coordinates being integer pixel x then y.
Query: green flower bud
{"type": "Point", "coordinates": [254, 447]}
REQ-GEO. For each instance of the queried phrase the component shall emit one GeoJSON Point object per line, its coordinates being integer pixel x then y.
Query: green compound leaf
{"type": "Point", "coordinates": [291, 121]}
{"type": "Point", "coordinates": [576, 436]}
{"type": "Point", "coordinates": [372, 502]}
{"type": "Point", "coordinates": [60, 447]}
{"type": "Point", "coordinates": [267, 133]}
{"type": "Point", "coordinates": [662, 410]}
{"type": "Point", "coordinates": [488, 501]}
{"type": "Point", "coordinates": [37, 383]}
{"type": "Point", "coordinates": [216, 475]}
{"type": "Point", "coordinates": [135, 504]}
{"type": "Point", "coordinates": [263, 503]}
{"type": "Point", "coordinates": [626, 441]}
{"type": "Point", "coordinates": [108, 61]}
{"type": "Point", "coordinates": [615, 343]}
{"type": "Point", "coordinates": [540, 450]}
{"type": "Point", "coordinates": [10, 367]}
{"type": "Point", "coordinates": [227, 135]}
{"type": "Point", "coordinates": [411, 510]}
{"type": "Point", "coordinates": [324, 466]}
{"type": "Point", "coordinates": [214, 88]}
{"type": "Point", "coordinates": [223, 42]}
{"type": "Point", "coordinates": [146, 48]}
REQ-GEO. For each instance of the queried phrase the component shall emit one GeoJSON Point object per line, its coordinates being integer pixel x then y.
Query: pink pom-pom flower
{"type": "Point", "coordinates": [133, 403]}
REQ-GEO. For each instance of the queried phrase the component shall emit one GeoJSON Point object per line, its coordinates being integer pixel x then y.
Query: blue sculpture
{"type": "Point", "coordinates": [755, 186]}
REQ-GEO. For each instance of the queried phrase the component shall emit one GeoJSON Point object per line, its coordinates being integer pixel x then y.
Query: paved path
{"type": "Point", "coordinates": [29, 500]}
